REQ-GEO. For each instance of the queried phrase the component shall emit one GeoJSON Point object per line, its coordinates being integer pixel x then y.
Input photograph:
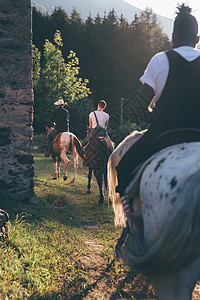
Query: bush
{"type": "Point", "coordinates": [119, 133]}
{"type": "Point", "coordinates": [79, 116]}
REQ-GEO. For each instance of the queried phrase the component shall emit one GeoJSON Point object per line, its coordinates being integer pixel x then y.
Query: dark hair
{"type": "Point", "coordinates": [185, 25]}
{"type": "Point", "coordinates": [102, 104]}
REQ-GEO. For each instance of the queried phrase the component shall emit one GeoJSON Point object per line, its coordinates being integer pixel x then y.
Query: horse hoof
{"type": "Point", "coordinates": [72, 181]}
{"type": "Point", "coordinates": [64, 178]}
{"type": "Point", "coordinates": [88, 191]}
{"type": "Point", "coordinates": [100, 202]}
{"type": "Point", "coordinates": [54, 178]}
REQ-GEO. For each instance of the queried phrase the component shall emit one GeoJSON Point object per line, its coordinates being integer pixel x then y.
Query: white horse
{"type": "Point", "coordinates": [62, 144]}
{"type": "Point", "coordinates": [166, 243]}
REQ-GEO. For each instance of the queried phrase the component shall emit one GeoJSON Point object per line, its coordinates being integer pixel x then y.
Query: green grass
{"type": "Point", "coordinates": [63, 246]}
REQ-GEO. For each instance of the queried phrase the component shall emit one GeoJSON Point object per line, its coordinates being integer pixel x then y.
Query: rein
{"type": "Point", "coordinates": [50, 130]}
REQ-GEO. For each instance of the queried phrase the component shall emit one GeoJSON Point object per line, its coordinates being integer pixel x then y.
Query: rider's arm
{"type": "Point", "coordinates": [147, 92]}
{"type": "Point", "coordinates": [106, 124]}
{"type": "Point", "coordinates": [90, 123]}
{"type": "Point", "coordinates": [140, 104]}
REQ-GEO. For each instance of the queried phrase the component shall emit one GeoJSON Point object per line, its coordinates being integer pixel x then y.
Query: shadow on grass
{"type": "Point", "coordinates": [53, 234]}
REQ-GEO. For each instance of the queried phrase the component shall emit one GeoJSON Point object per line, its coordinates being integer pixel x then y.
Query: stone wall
{"type": "Point", "coordinates": [16, 101]}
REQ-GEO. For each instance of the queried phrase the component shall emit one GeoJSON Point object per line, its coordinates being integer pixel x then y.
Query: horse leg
{"type": "Point", "coordinates": [105, 180]}
{"type": "Point", "coordinates": [56, 171]}
{"type": "Point", "coordinates": [99, 182]}
{"type": "Point", "coordinates": [89, 180]}
{"type": "Point", "coordinates": [58, 165]}
{"type": "Point", "coordinates": [99, 179]}
{"type": "Point", "coordinates": [55, 167]}
{"type": "Point", "coordinates": [66, 162]}
{"type": "Point", "coordinates": [75, 157]}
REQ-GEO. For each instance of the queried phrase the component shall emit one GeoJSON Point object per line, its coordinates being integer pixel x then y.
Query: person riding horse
{"type": "Point", "coordinates": [172, 80]}
{"type": "Point", "coordinates": [98, 121]}
{"type": "Point", "coordinates": [60, 117]}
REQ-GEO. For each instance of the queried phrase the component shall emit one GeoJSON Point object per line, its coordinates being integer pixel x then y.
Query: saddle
{"type": "Point", "coordinates": [56, 139]}
{"type": "Point", "coordinates": [175, 136]}
{"type": "Point", "coordinates": [164, 140]}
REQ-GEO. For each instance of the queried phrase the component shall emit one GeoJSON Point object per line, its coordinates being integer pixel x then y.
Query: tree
{"type": "Point", "coordinates": [112, 52]}
{"type": "Point", "coordinates": [36, 56]}
{"type": "Point", "coordinates": [157, 39]}
{"type": "Point", "coordinates": [58, 79]}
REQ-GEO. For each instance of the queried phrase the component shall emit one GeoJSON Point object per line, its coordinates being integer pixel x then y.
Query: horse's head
{"type": "Point", "coordinates": [49, 129]}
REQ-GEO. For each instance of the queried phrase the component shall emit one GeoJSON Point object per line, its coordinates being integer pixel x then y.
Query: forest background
{"type": "Point", "coordinates": [85, 61]}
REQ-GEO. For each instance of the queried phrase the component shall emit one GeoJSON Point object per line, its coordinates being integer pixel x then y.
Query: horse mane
{"type": "Point", "coordinates": [178, 244]}
{"type": "Point", "coordinates": [113, 161]}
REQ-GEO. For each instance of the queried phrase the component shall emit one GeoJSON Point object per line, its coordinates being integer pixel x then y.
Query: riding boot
{"type": "Point", "coordinates": [130, 221]}
{"type": "Point", "coordinates": [49, 143]}
{"type": "Point", "coordinates": [49, 148]}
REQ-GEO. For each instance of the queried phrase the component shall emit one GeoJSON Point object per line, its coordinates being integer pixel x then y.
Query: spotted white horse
{"type": "Point", "coordinates": [166, 243]}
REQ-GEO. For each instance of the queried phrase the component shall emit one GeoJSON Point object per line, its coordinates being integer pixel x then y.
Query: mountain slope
{"type": "Point", "coordinates": [99, 6]}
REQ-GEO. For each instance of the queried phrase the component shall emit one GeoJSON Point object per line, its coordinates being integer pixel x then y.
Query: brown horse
{"type": "Point", "coordinates": [63, 143]}
{"type": "Point", "coordinates": [97, 153]}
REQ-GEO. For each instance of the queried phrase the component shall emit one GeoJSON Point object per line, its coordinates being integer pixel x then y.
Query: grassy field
{"type": "Point", "coordinates": [62, 247]}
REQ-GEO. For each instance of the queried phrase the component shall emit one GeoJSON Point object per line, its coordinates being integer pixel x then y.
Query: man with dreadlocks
{"type": "Point", "coordinates": [172, 80]}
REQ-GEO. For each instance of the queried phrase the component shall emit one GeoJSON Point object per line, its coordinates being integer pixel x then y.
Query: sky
{"type": "Point", "coordinates": [167, 8]}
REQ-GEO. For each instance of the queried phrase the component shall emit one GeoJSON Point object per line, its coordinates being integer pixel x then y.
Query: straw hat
{"type": "Point", "coordinates": [60, 102]}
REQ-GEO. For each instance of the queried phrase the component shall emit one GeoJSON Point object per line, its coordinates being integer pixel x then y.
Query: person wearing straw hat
{"type": "Point", "coordinates": [60, 118]}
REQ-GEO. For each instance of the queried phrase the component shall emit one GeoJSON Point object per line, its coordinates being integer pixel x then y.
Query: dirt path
{"type": "Point", "coordinates": [106, 277]}
{"type": "Point", "coordinates": [102, 284]}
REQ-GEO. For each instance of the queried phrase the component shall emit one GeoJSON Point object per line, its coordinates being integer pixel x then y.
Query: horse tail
{"type": "Point", "coordinates": [178, 243]}
{"type": "Point", "coordinates": [78, 147]}
{"type": "Point", "coordinates": [113, 161]}
{"type": "Point", "coordinates": [111, 147]}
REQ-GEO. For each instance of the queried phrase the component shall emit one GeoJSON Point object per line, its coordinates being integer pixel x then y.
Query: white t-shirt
{"type": "Point", "coordinates": [157, 69]}
{"type": "Point", "coordinates": [101, 116]}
